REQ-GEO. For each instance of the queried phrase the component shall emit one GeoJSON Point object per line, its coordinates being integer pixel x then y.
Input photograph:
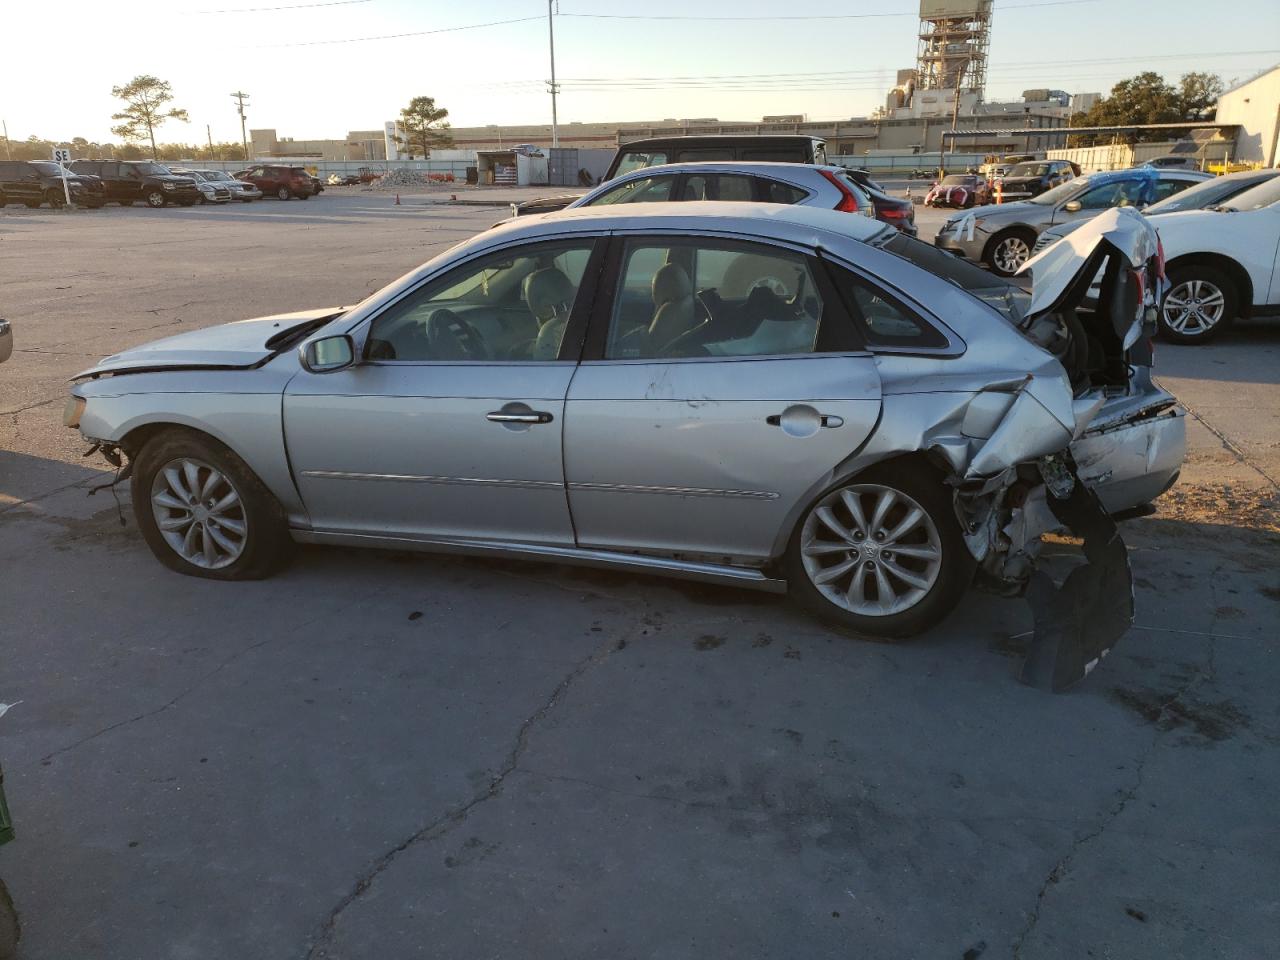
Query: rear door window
{"type": "Point", "coordinates": [772, 191]}
{"type": "Point", "coordinates": [717, 186]}
{"type": "Point", "coordinates": [705, 155]}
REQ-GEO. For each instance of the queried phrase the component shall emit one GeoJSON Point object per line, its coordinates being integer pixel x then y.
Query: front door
{"type": "Point", "coordinates": [451, 426]}
{"type": "Point", "coordinates": [722, 381]}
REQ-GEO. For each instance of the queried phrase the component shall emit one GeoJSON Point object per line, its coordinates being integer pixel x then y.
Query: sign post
{"type": "Point", "coordinates": [62, 157]}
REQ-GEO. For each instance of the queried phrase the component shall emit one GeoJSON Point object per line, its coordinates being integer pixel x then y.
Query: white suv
{"type": "Point", "coordinates": [1221, 263]}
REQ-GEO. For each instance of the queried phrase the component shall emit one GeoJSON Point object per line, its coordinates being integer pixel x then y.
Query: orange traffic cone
{"type": "Point", "coordinates": [999, 191]}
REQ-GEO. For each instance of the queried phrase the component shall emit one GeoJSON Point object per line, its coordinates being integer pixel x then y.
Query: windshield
{"type": "Point", "coordinates": [47, 167]}
{"type": "Point", "coordinates": [1203, 195]}
{"type": "Point", "coordinates": [1060, 192]}
{"type": "Point", "coordinates": [1260, 196]}
{"type": "Point", "coordinates": [636, 161]}
{"type": "Point", "coordinates": [1028, 170]}
{"type": "Point", "coordinates": [214, 175]}
{"type": "Point", "coordinates": [1009, 301]}
{"type": "Point", "coordinates": [151, 169]}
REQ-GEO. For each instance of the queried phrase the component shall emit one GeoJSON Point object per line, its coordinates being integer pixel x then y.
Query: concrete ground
{"type": "Point", "coordinates": [377, 755]}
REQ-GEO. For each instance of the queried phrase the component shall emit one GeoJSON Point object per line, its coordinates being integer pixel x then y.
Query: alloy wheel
{"type": "Point", "coordinates": [1194, 307]}
{"type": "Point", "coordinates": [1010, 254]}
{"type": "Point", "coordinates": [871, 549]}
{"type": "Point", "coordinates": [155, 198]}
{"type": "Point", "coordinates": [199, 513]}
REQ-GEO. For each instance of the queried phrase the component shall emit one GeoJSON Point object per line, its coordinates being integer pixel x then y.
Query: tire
{"type": "Point", "coordinates": [1009, 250]}
{"type": "Point", "coordinates": [55, 200]}
{"type": "Point", "coordinates": [304, 196]}
{"type": "Point", "coordinates": [868, 563]}
{"type": "Point", "coordinates": [283, 194]}
{"type": "Point", "coordinates": [156, 199]}
{"type": "Point", "coordinates": [250, 537]}
{"type": "Point", "coordinates": [10, 927]}
{"type": "Point", "coordinates": [1211, 303]}
{"type": "Point", "coordinates": [4, 200]}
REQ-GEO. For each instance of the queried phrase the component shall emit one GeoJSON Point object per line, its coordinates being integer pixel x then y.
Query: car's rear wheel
{"type": "Point", "coordinates": [1200, 303]}
{"type": "Point", "coordinates": [204, 513]}
{"type": "Point", "coordinates": [881, 553]}
{"type": "Point", "coordinates": [55, 199]}
{"type": "Point", "coordinates": [155, 198]}
{"type": "Point", "coordinates": [283, 193]}
{"type": "Point", "coordinates": [1008, 251]}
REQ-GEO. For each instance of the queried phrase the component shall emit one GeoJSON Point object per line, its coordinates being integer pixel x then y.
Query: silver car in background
{"type": "Point", "coordinates": [771, 396]}
{"type": "Point", "coordinates": [1002, 236]}
{"type": "Point", "coordinates": [240, 189]}
{"type": "Point", "coordinates": [210, 192]}
{"type": "Point", "coordinates": [808, 185]}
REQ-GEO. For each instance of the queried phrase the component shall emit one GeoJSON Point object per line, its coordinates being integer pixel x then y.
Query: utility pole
{"type": "Point", "coordinates": [208, 132]}
{"type": "Point", "coordinates": [239, 96]}
{"type": "Point", "coordinates": [8, 154]}
{"type": "Point", "coordinates": [553, 86]}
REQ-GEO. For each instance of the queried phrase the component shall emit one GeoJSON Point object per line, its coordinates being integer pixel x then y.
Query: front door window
{"type": "Point", "coordinates": [511, 306]}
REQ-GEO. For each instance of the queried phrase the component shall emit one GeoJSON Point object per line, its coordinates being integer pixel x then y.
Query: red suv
{"type": "Point", "coordinates": [280, 181]}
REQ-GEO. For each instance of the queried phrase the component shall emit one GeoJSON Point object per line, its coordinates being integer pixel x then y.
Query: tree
{"type": "Point", "coordinates": [424, 125]}
{"type": "Point", "coordinates": [1198, 95]}
{"type": "Point", "coordinates": [1147, 98]}
{"type": "Point", "coordinates": [145, 97]}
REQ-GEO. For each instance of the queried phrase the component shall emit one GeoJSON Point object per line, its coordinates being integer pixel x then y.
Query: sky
{"type": "Point", "coordinates": [312, 74]}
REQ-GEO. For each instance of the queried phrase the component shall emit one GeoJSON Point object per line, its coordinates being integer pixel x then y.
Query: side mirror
{"type": "Point", "coordinates": [1072, 206]}
{"type": "Point", "coordinates": [328, 354]}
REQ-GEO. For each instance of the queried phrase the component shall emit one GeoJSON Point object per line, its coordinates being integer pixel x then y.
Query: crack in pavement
{"type": "Point", "coordinates": [203, 679]}
{"type": "Point", "coordinates": [321, 946]}
{"type": "Point", "coordinates": [1230, 445]}
{"type": "Point", "coordinates": [1063, 865]}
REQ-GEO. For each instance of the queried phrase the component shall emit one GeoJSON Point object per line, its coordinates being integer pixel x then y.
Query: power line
{"type": "Point", "coordinates": [820, 16]}
{"type": "Point", "coordinates": [399, 36]}
{"type": "Point", "coordinates": [295, 6]}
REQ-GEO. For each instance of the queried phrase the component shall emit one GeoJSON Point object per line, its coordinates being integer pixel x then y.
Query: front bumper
{"type": "Point", "coordinates": [245, 193]}
{"type": "Point", "coordinates": [957, 238]}
{"type": "Point", "coordinates": [183, 195]}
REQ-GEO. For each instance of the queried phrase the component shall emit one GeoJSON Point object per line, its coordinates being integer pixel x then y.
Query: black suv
{"type": "Point", "coordinates": [33, 182]}
{"type": "Point", "coordinates": [1030, 178]}
{"type": "Point", "coordinates": [790, 148]}
{"type": "Point", "coordinates": [127, 181]}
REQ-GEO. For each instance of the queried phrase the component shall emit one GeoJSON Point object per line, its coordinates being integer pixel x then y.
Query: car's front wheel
{"type": "Point", "coordinates": [203, 512]}
{"type": "Point", "coordinates": [881, 553]}
{"type": "Point", "coordinates": [1008, 251]}
{"type": "Point", "coordinates": [156, 198]}
{"type": "Point", "coordinates": [55, 199]}
{"type": "Point", "coordinates": [1201, 301]}
{"type": "Point", "coordinates": [283, 193]}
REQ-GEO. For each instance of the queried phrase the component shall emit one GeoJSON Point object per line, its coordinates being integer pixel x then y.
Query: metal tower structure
{"type": "Point", "coordinates": [954, 37]}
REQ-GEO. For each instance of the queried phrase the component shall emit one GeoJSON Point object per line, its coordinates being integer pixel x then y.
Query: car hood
{"type": "Point", "coordinates": [173, 178]}
{"type": "Point", "coordinates": [1054, 269]}
{"type": "Point", "coordinates": [229, 346]}
{"type": "Point", "coordinates": [1021, 181]}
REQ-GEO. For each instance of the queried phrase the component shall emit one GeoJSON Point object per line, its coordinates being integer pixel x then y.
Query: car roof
{"type": "Point", "coordinates": [721, 138]}
{"type": "Point", "coordinates": [756, 167]}
{"type": "Point", "coordinates": [778, 220]}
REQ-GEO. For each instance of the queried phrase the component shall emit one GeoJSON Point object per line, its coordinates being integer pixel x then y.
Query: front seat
{"type": "Point", "coordinates": [549, 294]}
{"type": "Point", "coordinates": [676, 310]}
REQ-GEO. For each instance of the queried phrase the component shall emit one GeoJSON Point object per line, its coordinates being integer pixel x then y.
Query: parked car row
{"type": "Point", "coordinates": [95, 183]}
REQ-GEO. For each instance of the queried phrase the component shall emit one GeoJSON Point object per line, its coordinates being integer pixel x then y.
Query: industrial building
{"type": "Point", "coordinates": [1255, 106]}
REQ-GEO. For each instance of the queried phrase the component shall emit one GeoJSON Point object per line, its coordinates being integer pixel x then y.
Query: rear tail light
{"type": "Point", "coordinates": [848, 199]}
{"type": "Point", "coordinates": [894, 213]}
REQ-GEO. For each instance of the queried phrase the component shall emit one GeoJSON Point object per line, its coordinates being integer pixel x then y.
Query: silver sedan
{"type": "Point", "coordinates": [777, 397]}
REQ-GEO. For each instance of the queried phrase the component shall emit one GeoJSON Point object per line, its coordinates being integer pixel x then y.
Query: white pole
{"type": "Point", "coordinates": [551, 33]}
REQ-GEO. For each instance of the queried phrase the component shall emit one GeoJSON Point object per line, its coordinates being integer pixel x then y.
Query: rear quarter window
{"type": "Point", "coordinates": [883, 321]}
{"type": "Point", "coordinates": [773, 191]}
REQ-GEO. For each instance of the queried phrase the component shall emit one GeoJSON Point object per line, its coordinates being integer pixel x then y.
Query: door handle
{"type": "Point", "coordinates": [535, 416]}
{"type": "Point", "coordinates": [827, 420]}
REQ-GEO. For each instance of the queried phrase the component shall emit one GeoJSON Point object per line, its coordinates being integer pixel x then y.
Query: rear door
{"type": "Point", "coordinates": [722, 381]}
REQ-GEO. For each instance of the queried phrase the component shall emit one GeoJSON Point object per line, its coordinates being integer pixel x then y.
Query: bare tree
{"type": "Point", "coordinates": [145, 97]}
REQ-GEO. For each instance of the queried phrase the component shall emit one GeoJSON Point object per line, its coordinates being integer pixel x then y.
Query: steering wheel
{"type": "Point", "coordinates": [449, 337]}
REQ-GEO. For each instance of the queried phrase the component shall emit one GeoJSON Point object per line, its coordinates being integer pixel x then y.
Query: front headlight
{"type": "Point", "coordinates": [169, 186]}
{"type": "Point", "coordinates": [72, 411]}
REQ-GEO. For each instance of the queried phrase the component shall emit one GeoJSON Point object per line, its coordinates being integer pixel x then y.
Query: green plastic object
{"type": "Point", "coordinates": [6, 824]}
